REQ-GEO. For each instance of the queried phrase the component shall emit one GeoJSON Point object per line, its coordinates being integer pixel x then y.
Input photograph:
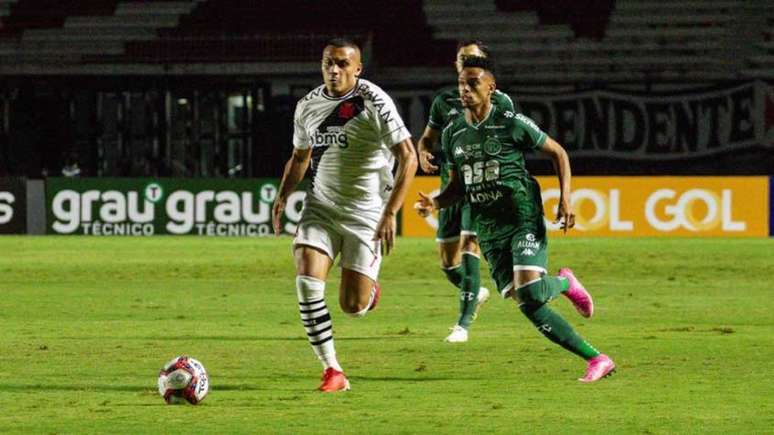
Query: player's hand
{"type": "Point", "coordinates": [425, 158]}
{"type": "Point", "coordinates": [276, 215]}
{"type": "Point", "coordinates": [385, 232]}
{"type": "Point", "coordinates": [564, 215]}
{"type": "Point", "coordinates": [424, 205]}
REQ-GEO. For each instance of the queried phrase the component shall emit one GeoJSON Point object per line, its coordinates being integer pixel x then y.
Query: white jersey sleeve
{"type": "Point", "coordinates": [389, 124]}
{"type": "Point", "coordinates": [300, 137]}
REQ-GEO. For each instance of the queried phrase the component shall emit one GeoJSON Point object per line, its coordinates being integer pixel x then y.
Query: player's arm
{"type": "Point", "coordinates": [295, 168]}
{"type": "Point", "coordinates": [451, 194]}
{"type": "Point", "coordinates": [425, 148]}
{"type": "Point", "coordinates": [561, 163]}
{"type": "Point", "coordinates": [407, 167]}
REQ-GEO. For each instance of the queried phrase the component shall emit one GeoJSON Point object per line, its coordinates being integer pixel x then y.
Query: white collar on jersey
{"type": "Point", "coordinates": [347, 95]}
{"type": "Point", "coordinates": [491, 111]}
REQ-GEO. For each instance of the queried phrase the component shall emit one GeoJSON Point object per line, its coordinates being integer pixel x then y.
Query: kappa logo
{"type": "Point", "coordinates": [454, 112]}
{"type": "Point", "coordinates": [458, 151]}
{"type": "Point", "coordinates": [528, 251]}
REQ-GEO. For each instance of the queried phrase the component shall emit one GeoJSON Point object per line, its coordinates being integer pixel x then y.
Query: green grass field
{"type": "Point", "coordinates": [86, 323]}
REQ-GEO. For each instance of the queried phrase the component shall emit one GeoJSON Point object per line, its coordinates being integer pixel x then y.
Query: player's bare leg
{"type": "Point", "coordinates": [358, 293]}
{"type": "Point", "coordinates": [472, 295]}
{"type": "Point", "coordinates": [533, 291]}
{"type": "Point", "coordinates": [312, 267]}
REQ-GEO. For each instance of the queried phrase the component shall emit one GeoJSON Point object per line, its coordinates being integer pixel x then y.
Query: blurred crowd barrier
{"type": "Point", "coordinates": [634, 206]}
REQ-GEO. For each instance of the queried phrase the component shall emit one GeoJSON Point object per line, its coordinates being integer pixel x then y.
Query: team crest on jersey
{"type": "Point", "coordinates": [492, 146]}
{"type": "Point", "coordinates": [347, 110]}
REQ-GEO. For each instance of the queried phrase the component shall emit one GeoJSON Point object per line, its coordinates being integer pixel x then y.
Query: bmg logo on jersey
{"type": "Point", "coordinates": [332, 136]}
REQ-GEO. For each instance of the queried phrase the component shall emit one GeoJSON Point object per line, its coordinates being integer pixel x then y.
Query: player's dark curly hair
{"type": "Point", "coordinates": [478, 43]}
{"type": "Point", "coordinates": [480, 62]}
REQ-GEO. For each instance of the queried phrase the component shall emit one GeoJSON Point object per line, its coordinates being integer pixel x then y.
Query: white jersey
{"type": "Point", "coordinates": [351, 139]}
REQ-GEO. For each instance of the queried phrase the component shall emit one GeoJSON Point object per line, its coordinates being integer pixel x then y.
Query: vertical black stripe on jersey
{"type": "Point", "coordinates": [339, 116]}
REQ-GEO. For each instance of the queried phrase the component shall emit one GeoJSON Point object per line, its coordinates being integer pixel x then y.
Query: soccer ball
{"type": "Point", "coordinates": [182, 380]}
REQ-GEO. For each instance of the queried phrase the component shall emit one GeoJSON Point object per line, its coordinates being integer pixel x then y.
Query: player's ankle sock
{"type": "Point", "coordinates": [471, 283]}
{"type": "Point", "coordinates": [330, 361]}
{"type": "Point", "coordinates": [454, 274]}
{"type": "Point", "coordinates": [542, 290]}
{"type": "Point", "coordinates": [556, 329]}
{"type": "Point", "coordinates": [316, 319]}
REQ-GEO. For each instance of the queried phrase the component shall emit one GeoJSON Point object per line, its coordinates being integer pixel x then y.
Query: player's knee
{"type": "Point", "coordinates": [354, 308]}
{"type": "Point", "coordinates": [470, 244]}
{"type": "Point", "coordinates": [450, 260]}
{"type": "Point", "coordinates": [525, 296]}
{"type": "Point", "coordinates": [309, 288]}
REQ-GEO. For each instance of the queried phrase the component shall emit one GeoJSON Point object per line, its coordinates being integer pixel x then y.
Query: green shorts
{"type": "Point", "coordinates": [453, 221]}
{"type": "Point", "coordinates": [514, 237]}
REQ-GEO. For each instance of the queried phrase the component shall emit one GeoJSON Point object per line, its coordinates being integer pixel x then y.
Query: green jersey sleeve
{"type": "Point", "coordinates": [503, 101]}
{"type": "Point", "coordinates": [437, 119]}
{"type": "Point", "coordinates": [446, 146]}
{"type": "Point", "coordinates": [526, 134]}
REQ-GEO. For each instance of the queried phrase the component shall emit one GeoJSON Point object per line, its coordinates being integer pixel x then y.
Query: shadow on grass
{"type": "Point", "coordinates": [381, 378]}
{"type": "Point", "coordinates": [231, 338]}
{"type": "Point", "coordinates": [99, 388]}
{"type": "Point", "coordinates": [75, 387]}
{"type": "Point", "coordinates": [408, 379]}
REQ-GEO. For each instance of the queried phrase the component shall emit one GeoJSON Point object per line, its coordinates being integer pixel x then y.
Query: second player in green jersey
{"type": "Point", "coordinates": [457, 244]}
{"type": "Point", "coordinates": [485, 148]}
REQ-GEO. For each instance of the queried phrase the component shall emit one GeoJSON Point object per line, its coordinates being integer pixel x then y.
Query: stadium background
{"type": "Point", "coordinates": [153, 90]}
{"type": "Point", "coordinates": [100, 90]}
{"type": "Point", "coordinates": [174, 117]}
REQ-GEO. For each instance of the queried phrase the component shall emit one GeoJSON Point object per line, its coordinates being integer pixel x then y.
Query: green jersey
{"type": "Point", "coordinates": [447, 106]}
{"type": "Point", "coordinates": [489, 160]}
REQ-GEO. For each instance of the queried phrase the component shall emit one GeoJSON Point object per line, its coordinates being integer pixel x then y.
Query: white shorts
{"type": "Point", "coordinates": [335, 237]}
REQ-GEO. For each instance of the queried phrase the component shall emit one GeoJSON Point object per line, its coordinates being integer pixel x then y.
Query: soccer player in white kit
{"type": "Point", "coordinates": [349, 131]}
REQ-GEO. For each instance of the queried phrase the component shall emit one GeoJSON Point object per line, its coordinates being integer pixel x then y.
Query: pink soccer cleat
{"type": "Point", "coordinates": [333, 381]}
{"type": "Point", "coordinates": [377, 295]}
{"type": "Point", "coordinates": [600, 366]}
{"type": "Point", "coordinates": [577, 294]}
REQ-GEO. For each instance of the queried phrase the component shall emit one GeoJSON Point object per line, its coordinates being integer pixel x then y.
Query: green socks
{"type": "Point", "coordinates": [543, 290]}
{"type": "Point", "coordinates": [469, 288]}
{"type": "Point", "coordinates": [454, 274]}
{"type": "Point", "coordinates": [553, 326]}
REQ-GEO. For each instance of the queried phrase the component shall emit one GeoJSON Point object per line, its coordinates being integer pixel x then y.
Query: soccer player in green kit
{"type": "Point", "coordinates": [456, 239]}
{"type": "Point", "coordinates": [486, 149]}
